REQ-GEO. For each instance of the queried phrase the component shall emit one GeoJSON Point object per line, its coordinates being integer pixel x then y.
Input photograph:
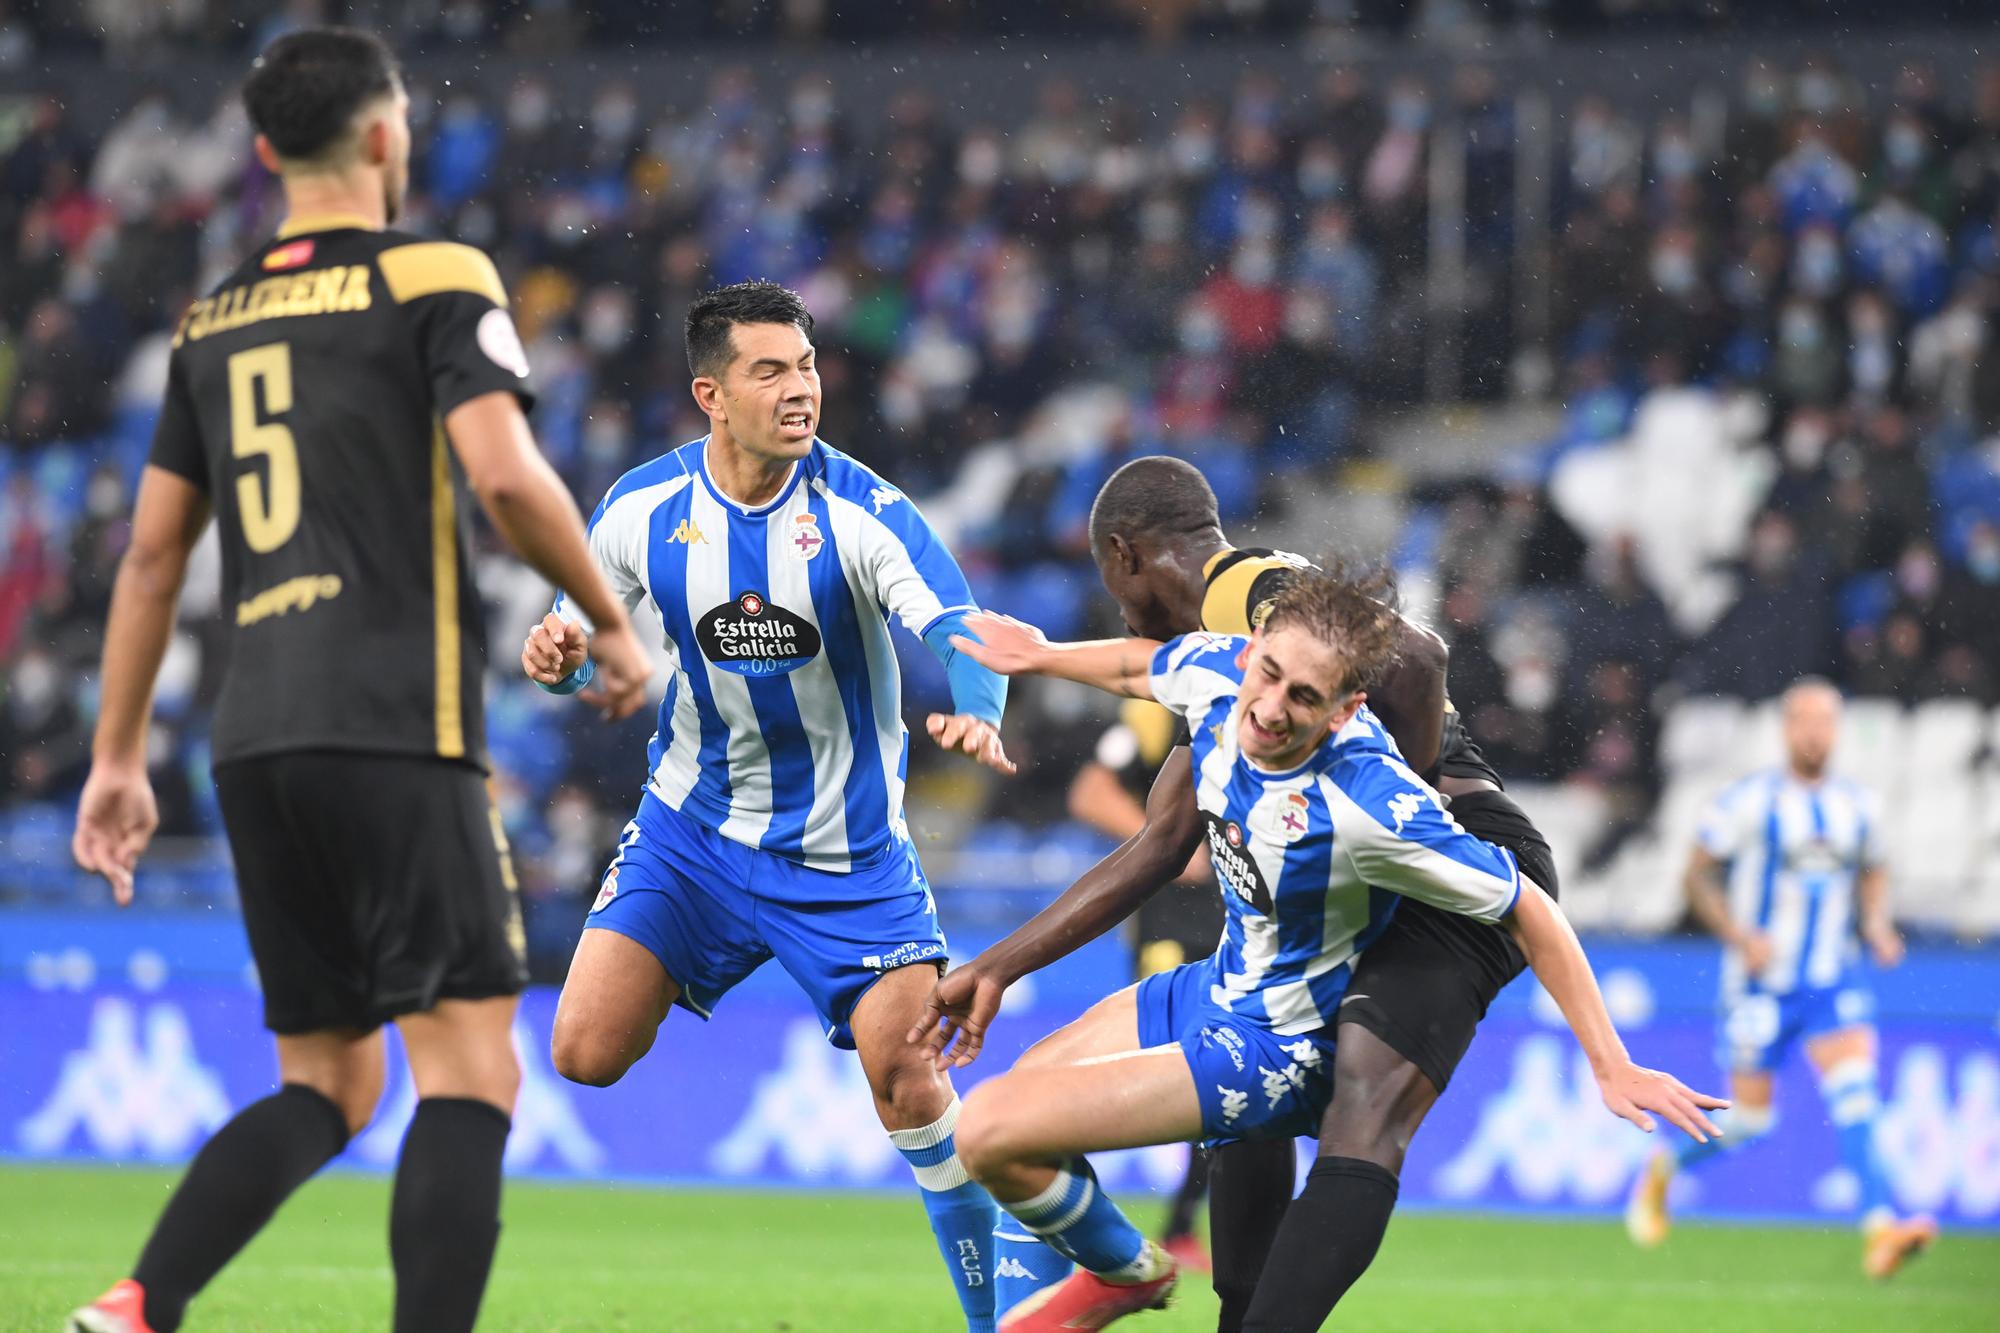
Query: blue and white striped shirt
{"type": "Point", "coordinates": [782, 727]}
{"type": "Point", "coordinates": [1795, 852]}
{"type": "Point", "coordinates": [1311, 861]}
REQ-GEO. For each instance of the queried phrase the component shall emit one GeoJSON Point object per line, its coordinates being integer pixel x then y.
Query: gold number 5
{"type": "Point", "coordinates": [270, 511]}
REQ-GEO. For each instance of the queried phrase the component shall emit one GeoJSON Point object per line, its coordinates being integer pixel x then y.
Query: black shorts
{"type": "Point", "coordinates": [1182, 923]}
{"type": "Point", "coordinates": [1425, 984]}
{"type": "Point", "coordinates": [373, 885]}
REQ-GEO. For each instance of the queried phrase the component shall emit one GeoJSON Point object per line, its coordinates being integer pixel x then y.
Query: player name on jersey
{"type": "Point", "coordinates": [326, 291]}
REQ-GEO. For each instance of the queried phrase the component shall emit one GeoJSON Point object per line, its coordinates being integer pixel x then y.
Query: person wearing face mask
{"type": "Point", "coordinates": [1968, 610]}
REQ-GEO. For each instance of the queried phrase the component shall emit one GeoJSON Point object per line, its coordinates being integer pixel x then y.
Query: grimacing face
{"type": "Point", "coordinates": [1141, 600]}
{"type": "Point", "coordinates": [1812, 725]}
{"type": "Point", "coordinates": [1290, 700]}
{"type": "Point", "coordinates": [769, 394]}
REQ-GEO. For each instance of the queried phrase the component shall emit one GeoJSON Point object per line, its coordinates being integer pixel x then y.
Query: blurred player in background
{"type": "Point", "coordinates": [1787, 872]}
{"type": "Point", "coordinates": [315, 405]}
{"type": "Point", "coordinates": [1315, 826]}
{"type": "Point", "coordinates": [772, 820]}
{"type": "Point", "coordinates": [1179, 924]}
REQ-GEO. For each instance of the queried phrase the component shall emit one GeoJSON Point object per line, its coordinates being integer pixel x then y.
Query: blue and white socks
{"type": "Point", "coordinates": [1079, 1220]}
{"type": "Point", "coordinates": [1022, 1265]}
{"type": "Point", "coordinates": [1852, 1103]}
{"type": "Point", "coordinates": [1741, 1126]}
{"type": "Point", "coordinates": [962, 1213]}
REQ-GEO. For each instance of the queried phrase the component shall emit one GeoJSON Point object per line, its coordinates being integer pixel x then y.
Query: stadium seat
{"type": "Point", "coordinates": [1701, 735]}
{"type": "Point", "coordinates": [1946, 734]}
{"type": "Point", "coordinates": [1874, 743]}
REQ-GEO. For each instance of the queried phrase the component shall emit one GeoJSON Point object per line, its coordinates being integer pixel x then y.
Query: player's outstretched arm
{"type": "Point", "coordinates": [1015, 648]}
{"type": "Point", "coordinates": [532, 509]}
{"type": "Point", "coordinates": [1629, 1090]}
{"type": "Point", "coordinates": [116, 816]}
{"type": "Point", "coordinates": [962, 1007]}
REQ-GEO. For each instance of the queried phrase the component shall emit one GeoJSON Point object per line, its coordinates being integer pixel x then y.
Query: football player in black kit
{"type": "Point", "coordinates": [1419, 991]}
{"type": "Point", "coordinates": [334, 405]}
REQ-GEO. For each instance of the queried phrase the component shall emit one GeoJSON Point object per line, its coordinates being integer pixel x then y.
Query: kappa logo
{"type": "Point", "coordinates": [1279, 1083]}
{"type": "Point", "coordinates": [1303, 1051]}
{"type": "Point", "coordinates": [1012, 1267]}
{"type": "Point", "coordinates": [1404, 807]}
{"type": "Point", "coordinates": [884, 496]}
{"type": "Point", "coordinates": [805, 540]}
{"type": "Point", "coordinates": [1235, 1102]}
{"type": "Point", "coordinates": [688, 534]}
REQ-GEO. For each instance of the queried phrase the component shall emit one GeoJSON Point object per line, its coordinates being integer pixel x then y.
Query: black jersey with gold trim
{"type": "Point", "coordinates": [1242, 582]}
{"type": "Point", "coordinates": [305, 397]}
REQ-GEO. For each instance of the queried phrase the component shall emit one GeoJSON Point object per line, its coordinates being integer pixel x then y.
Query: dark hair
{"type": "Point", "coordinates": [714, 313]}
{"type": "Point", "coordinates": [1155, 497]}
{"type": "Point", "coordinates": [1352, 610]}
{"type": "Point", "coordinates": [303, 92]}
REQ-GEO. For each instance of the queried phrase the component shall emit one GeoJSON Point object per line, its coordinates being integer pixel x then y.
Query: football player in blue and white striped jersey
{"type": "Point", "coordinates": [1316, 827]}
{"type": "Point", "coordinates": [1788, 873]}
{"type": "Point", "coordinates": [771, 825]}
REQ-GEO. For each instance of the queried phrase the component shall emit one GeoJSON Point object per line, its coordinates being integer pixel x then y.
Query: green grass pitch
{"type": "Point", "coordinates": [575, 1257]}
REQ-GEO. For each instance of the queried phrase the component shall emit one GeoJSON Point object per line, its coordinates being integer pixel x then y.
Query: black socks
{"type": "Point", "coordinates": [1250, 1183]}
{"type": "Point", "coordinates": [235, 1183]}
{"type": "Point", "coordinates": [445, 1219]}
{"type": "Point", "coordinates": [1329, 1238]}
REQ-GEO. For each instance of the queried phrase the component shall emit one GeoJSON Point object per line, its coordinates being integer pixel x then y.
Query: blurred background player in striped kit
{"type": "Point", "coordinates": [1787, 872]}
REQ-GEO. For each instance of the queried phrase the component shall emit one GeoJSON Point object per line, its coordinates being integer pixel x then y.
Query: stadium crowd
{"type": "Point", "coordinates": [1771, 338]}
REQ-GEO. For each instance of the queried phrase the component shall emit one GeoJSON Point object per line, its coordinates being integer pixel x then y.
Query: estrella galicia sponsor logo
{"type": "Point", "coordinates": [1236, 868]}
{"type": "Point", "coordinates": [1231, 1043]}
{"type": "Point", "coordinates": [917, 951]}
{"type": "Point", "coordinates": [753, 637]}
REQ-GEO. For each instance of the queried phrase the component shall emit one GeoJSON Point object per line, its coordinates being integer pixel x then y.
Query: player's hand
{"type": "Point", "coordinates": [966, 734]}
{"type": "Point", "coordinates": [115, 820]}
{"type": "Point", "coordinates": [555, 649]}
{"type": "Point", "coordinates": [1632, 1090]}
{"type": "Point", "coordinates": [1757, 950]}
{"type": "Point", "coordinates": [623, 669]}
{"type": "Point", "coordinates": [1885, 943]}
{"type": "Point", "coordinates": [962, 1006]}
{"type": "Point", "coordinates": [1006, 645]}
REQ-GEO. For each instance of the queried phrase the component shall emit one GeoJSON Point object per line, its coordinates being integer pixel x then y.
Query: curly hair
{"type": "Point", "coordinates": [1351, 610]}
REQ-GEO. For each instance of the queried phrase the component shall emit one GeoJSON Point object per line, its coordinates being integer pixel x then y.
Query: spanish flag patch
{"type": "Point", "coordinates": [289, 256]}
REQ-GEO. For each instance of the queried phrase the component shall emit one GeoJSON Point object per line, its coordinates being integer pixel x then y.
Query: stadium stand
{"type": "Point", "coordinates": [1765, 371]}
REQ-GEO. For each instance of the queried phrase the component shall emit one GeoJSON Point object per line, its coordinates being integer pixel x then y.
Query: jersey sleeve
{"type": "Point", "coordinates": [177, 437]}
{"type": "Point", "coordinates": [914, 576]}
{"type": "Point", "coordinates": [458, 308]}
{"type": "Point", "coordinates": [1720, 831]}
{"type": "Point", "coordinates": [1238, 599]}
{"type": "Point", "coordinates": [1190, 673]}
{"type": "Point", "coordinates": [616, 535]}
{"type": "Point", "coordinates": [1400, 838]}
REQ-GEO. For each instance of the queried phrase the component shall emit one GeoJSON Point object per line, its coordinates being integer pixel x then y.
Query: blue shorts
{"type": "Point", "coordinates": [713, 911]}
{"type": "Point", "coordinates": [1253, 1083]}
{"type": "Point", "coordinates": [1759, 1030]}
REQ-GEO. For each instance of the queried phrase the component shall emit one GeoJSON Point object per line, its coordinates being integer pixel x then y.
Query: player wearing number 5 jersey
{"type": "Point", "coordinates": [1787, 871]}
{"type": "Point", "coordinates": [329, 404]}
{"type": "Point", "coordinates": [772, 821]}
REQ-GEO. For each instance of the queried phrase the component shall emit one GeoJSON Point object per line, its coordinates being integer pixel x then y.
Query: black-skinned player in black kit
{"type": "Point", "coordinates": [1179, 924]}
{"type": "Point", "coordinates": [330, 404]}
{"type": "Point", "coordinates": [1418, 993]}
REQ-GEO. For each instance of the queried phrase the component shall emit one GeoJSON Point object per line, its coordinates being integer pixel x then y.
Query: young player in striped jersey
{"type": "Point", "coordinates": [1315, 827]}
{"type": "Point", "coordinates": [1787, 872]}
{"type": "Point", "coordinates": [772, 821]}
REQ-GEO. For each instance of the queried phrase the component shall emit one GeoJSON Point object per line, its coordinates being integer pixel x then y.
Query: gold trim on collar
{"type": "Point", "coordinates": [324, 222]}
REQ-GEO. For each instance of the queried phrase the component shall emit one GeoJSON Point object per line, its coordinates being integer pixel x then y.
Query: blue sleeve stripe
{"type": "Point", "coordinates": [946, 614]}
{"type": "Point", "coordinates": [1515, 865]}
